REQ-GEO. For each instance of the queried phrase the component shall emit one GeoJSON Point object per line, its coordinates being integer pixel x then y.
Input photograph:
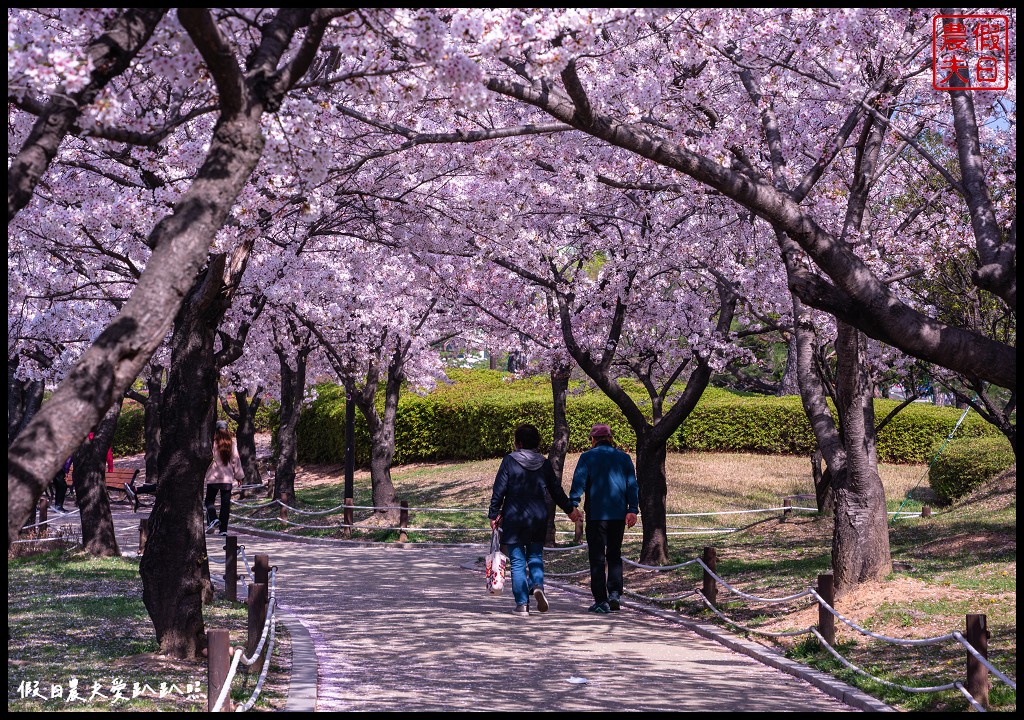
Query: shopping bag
{"type": "Point", "coordinates": [497, 561]}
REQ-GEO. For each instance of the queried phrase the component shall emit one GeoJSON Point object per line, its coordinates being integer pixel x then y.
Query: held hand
{"type": "Point", "coordinates": [575, 515]}
{"type": "Point", "coordinates": [496, 523]}
{"type": "Point", "coordinates": [630, 519]}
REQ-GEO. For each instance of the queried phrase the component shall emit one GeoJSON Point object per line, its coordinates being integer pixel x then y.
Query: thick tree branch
{"type": "Point", "coordinates": [892, 321]}
{"type": "Point", "coordinates": [111, 53]}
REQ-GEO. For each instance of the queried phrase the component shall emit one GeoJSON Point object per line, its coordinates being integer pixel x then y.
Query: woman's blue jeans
{"type": "Point", "coordinates": [526, 557]}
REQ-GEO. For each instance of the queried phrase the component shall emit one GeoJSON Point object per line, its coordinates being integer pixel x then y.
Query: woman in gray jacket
{"type": "Point", "coordinates": [519, 508]}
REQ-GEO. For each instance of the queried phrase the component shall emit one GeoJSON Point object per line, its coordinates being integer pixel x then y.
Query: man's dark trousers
{"type": "Point", "coordinates": [604, 544]}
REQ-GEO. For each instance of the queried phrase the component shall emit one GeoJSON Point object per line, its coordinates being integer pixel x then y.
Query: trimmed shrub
{"type": "Point", "coordinates": [474, 418]}
{"type": "Point", "coordinates": [967, 463]}
{"type": "Point", "coordinates": [129, 436]}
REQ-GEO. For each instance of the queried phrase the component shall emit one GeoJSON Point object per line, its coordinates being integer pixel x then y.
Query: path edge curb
{"type": "Point", "coordinates": [302, 680]}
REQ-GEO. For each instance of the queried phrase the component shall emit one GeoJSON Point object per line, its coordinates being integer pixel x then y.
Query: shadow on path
{"type": "Point", "coordinates": [409, 630]}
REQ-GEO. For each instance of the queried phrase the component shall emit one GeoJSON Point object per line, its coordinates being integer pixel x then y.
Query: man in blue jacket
{"type": "Point", "coordinates": [607, 477]}
{"type": "Point", "coordinates": [519, 507]}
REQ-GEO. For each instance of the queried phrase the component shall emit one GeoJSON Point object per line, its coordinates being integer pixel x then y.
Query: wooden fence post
{"type": "Point", "coordinates": [577, 537]}
{"type": "Point", "coordinates": [218, 662]}
{"type": "Point", "coordinates": [787, 503]}
{"type": "Point", "coordinates": [261, 569]}
{"type": "Point", "coordinates": [926, 511]}
{"type": "Point", "coordinates": [257, 602]}
{"type": "Point", "coordinates": [403, 521]}
{"type": "Point", "coordinates": [348, 517]}
{"type": "Point", "coordinates": [31, 519]}
{"type": "Point", "coordinates": [826, 620]}
{"type": "Point", "coordinates": [977, 673]}
{"type": "Point", "coordinates": [283, 515]}
{"type": "Point", "coordinates": [143, 534]}
{"type": "Point", "coordinates": [710, 589]}
{"type": "Point", "coordinates": [231, 568]}
{"type": "Point", "coordinates": [43, 527]}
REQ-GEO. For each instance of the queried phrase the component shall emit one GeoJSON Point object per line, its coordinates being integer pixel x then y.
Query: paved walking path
{"type": "Point", "coordinates": [410, 629]}
{"type": "Point", "coordinates": [387, 628]}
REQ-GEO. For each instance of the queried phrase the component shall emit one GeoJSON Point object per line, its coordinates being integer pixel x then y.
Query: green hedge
{"type": "Point", "coordinates": [474, 418]}
{"type": "Point", "coordinates": [965, 464]}
{"type": "Point", "coordinates": [129, 436]}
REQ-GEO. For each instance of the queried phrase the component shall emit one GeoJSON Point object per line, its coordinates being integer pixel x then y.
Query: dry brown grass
{"type": "Point", "coordinates": [697, 482]}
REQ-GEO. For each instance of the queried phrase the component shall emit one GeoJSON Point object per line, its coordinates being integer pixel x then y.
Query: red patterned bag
{"type": "Point", "coordinates": [497, 562]}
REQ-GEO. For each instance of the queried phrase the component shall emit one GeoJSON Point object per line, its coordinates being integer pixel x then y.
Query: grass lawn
{"type": "Point", "coordinates": [77, 627]}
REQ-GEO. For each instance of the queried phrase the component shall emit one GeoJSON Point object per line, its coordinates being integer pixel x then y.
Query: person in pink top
{"type": "Point", "coordinates": [225, 469]}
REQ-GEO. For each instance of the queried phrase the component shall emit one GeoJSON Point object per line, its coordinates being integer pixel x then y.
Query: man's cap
{"type": "Point", "coordinates": [222, 424]}
{"type": "Point", "coordinates": [600, 431]}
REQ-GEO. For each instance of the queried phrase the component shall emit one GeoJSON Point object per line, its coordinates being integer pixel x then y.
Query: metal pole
{"type": "Point", "coordinates": [350, 445]}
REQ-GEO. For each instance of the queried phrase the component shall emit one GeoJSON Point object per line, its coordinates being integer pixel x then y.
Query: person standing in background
{"type": "Point", "coordinates": [225, 468]}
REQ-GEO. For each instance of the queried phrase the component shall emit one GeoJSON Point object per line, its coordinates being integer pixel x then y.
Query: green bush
{"type": "Point", "coordinates": [966, 463]}
{"type": "Point", "coordinates": [129, 436]}
{"type": "Point", "coordinates": [474, 418]}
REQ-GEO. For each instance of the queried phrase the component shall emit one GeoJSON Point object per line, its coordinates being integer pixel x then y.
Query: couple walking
{"type": "Point", "coordinates": [604, 474]}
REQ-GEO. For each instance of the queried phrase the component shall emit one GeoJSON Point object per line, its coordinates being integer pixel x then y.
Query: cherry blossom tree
{"type": "Point", "coordinates": [807, 83]}
{"type": "Point", "coordinates": [832, 71]}
{"type": "Point", "coordinates": [673, 171]}
{"type": "Point", "coordinates": [632, 288]}
{"type": "Point", "coordinates": [378, 316]}
{"type": "Point", "coordinates": [179, 245]}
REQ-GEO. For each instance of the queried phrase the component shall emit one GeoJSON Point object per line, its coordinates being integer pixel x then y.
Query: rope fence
{"type": "Point", "coordinates": [223, 664]}
{"type": "Point", "coordinates": [258, 513]}
{"type": "Point", "coordinates": [975, 640]}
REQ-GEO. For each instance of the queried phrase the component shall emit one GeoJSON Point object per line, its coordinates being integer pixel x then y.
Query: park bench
{"type": "Point", "coordinates": [121, 479]}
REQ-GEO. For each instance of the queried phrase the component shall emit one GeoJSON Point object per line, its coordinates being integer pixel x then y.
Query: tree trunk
{"type": "Point", "coordinates": [560, 374]}
{"type": "Point", "coordinates": [790, 383]}
{"type": "Point", "coordinates": [860, 541]}
{"type": "Point", "coordinates": [90, 466]}
{"type": "Point", "coordinates": [246, 434]}
{"type": "Point", "coordinates": [293, 385]}
{"type": "Point", "coordinates": [650, 476]}
{"type": "Point", "coordinates": [24, 398]}
{"type": "Point", "coordinates": [151, 422]}
{"type": "Point", "coordinates": [175, 569]}
{"type": "Point", "coordinates": [382, 436]}
{"type": "Point", "coordinates": [814, 398]}
{"type": "Point", "coordinates": [824, 497]}
{"type": "Point", "coordinates": [382, 453]}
